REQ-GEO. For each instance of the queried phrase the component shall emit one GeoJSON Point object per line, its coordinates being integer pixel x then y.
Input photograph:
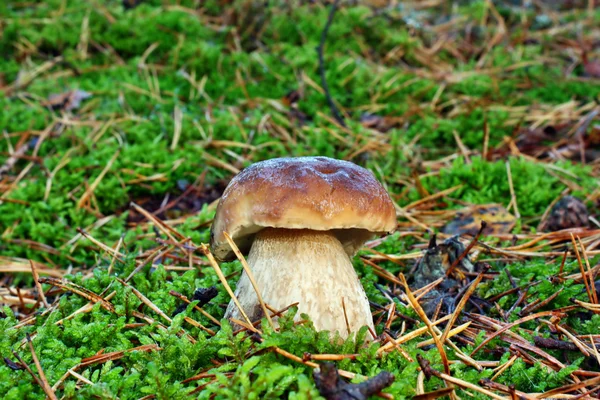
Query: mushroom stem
{"type": "Point", "coordinates": [309, 267]}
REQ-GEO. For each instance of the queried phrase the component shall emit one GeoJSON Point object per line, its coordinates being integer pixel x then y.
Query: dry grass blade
{"type": "Point", "coordinates": [469, 385]}
{"type": "Point", "coordinates": [453, 332]}
{"type": "Point", "coordinates": [44, 382]}
{"type": "Point", "coordinates": [150, 321]}
{"type": "Point", "coordinates": [403, 352]}
{"type": "Point", "coordinates": [417, 307]}
{"type": "Point", "coordinates": [513, 196]}
{"type": "Point", "coordinates": [116, 254]}
{"type": "Point", "coordinates": [204, 249]}
{"type": "Point", "coordinates": [114, 257]}
{"type": "Point", "coordinates": [199, 326]}
{"type": "Point", "coordinates": [409, 336]}
{"type": "Point", "coordinates": [38, 285]}
{"type": "Point", "coordinates": [589, 271]}
{"type": "Point", "coordinates": [154, 255]}
{"type": "Point", "coordinates": [587, 306]}
{"type": "Point", "coordinates": [248, 271]}
{"type": "Point", "coordinates": [461, 305]}
{"type": "Point", "coordinates": [90, 190]}
{"type": "Point", "coordinates": [81, 291]}
{"type": "Point", "coordinates": [115, 355]}
{"type": "Point", "coordinates": [508, 326]}
{"type": "Point", "coordinates": [582, 347]}
{"type": "Point", "coordinates": [200, 310]}
{"type": "Point", "coordinates": [569, 388]}
{"type": "Point", "coordinates": [588, 286]}
{"type": "Point", "coordinates": [328, 357]}
{"type": "Point", "coordinates": [164, 228]}
{"type": "Point", "coordinates": [146, 300]}
{"type": "Point", "coordinates": [9, 265]}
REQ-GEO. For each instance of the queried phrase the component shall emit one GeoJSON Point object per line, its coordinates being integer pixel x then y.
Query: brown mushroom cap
{"type": "Point", "coordinates": [316, 193]}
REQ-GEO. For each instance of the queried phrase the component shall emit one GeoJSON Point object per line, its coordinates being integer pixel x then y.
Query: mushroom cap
{"type": "Point", "coordinates": [317, 193]}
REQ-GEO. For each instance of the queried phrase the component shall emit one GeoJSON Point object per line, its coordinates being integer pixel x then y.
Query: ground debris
{"type": "Point", "coordinates": [192, 199]}
{"type": "Point", "coordinates": [568, 212]}
{"type": "Point", "coordinates": [379, 123]}
{"type": "Point", "coordinates": [332, 387]}
{"type": "Point", "coordinates": [562, 140]}
{"type": "Point", "coordinates": [66, 101]}
{"type": "Point", "coordinates": [203, 295]}
{"type": "Point", "coordinates": [435, 264]}
{"type": "Point", "coordinates": [13, 365]}
{"type": "Point", "coordinates": [468, 220]}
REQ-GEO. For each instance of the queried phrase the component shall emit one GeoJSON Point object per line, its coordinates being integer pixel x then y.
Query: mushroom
{"type": "Point", "coordinates": [301, 219]}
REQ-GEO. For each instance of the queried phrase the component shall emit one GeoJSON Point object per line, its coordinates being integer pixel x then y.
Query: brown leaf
{"type": "Point", "coordinates": [468, 220]}
{"type": "Point", "coordinates": [532, 141]}
{"type": "Point", "coordinates": [568, 212]}
{"type": "Point", "coordinates": [592, 68]}
{"type": "Point", "coordinates": [13, 365]}
{"type": "Point", "coordinates": [291, 98]}
{"type": "Point", "coordinates": [66, 101]}
{"type": "Point", "coordinates": [379, 123]}
{"type": "Point", "coordinates": [129, 4]}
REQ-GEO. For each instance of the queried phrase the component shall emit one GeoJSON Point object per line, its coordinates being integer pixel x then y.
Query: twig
{"type": "Point", "coordinates": [467, 249]}
{"type": "Point", "coordinates": [331, 386]}
{"type": "Point", "coordinates": [548, 343]}
{"type": "Point", "coordinates": [429, 372]}
{"type": "Point", "coordinates": [14, 157]}
{"type": "Point", "coordinates": [334, 110]}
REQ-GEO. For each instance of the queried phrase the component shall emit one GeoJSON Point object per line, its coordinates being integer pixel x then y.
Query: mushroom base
{"type": "Point", "coordinates": [310, 268]}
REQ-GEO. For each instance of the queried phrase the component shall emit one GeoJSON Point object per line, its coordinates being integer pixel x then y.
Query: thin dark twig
{"type": "Point", "coordinates": [334, 110]}
{"type": "Point", "coordinates": [467, 249]}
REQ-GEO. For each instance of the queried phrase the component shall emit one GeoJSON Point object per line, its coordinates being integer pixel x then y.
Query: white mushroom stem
{"type": "Point", "coordinates": [308, 267]}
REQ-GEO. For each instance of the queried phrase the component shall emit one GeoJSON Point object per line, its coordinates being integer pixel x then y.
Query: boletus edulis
{"type": "Point", "coordinates": [300, 220]}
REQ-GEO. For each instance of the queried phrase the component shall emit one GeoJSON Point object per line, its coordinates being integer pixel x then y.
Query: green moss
{"type": "Point", "coordinates": [245, 60]}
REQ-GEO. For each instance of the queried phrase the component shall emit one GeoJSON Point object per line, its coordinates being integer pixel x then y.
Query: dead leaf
{"type": "Point", "coordinates": [66, 101]}
{"type": "Point", "coordinates": [532, 141]}
{"type": "Point", "coordinates": [129, 4]}
{"type": "Point", "coordinates": [291, 98]}
{"type": "Point", "coordinates": [592, 68]}
{"type": "Point", "coordinates": [468, 220]}
{"type": "Point", "coordinates": [379, 123]}
{"type": "Point", "coordinates": [568, 212]}
{"type": "Point", "coordinates": [434, 264]}
{"type": "Point", "coordinates": [558, 140]}
{"type": "Point", "coordinates": [13, 365]}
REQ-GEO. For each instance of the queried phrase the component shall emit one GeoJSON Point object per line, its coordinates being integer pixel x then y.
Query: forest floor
{"type": "Point", "coordinates": [123, 121]}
